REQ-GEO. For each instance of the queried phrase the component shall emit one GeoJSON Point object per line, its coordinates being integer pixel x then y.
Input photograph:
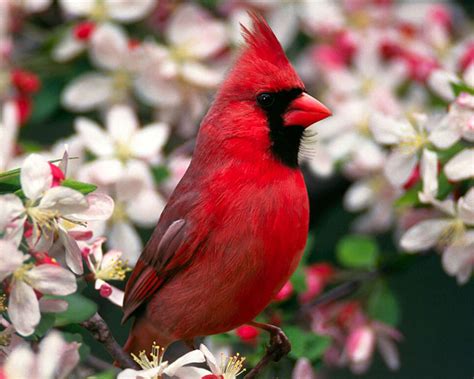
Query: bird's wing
{"type": "Point", "coordinates": [161, 259]}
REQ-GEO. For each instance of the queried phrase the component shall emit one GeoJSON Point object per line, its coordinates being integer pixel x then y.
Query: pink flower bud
{"type": "Point", "coordinates": [83, 31]}
{"type": "Point", "coordinates": [105, 290]}
{"type": "Point", "coordinates": [317, 277]}
{"type": "Point", "coordinates": [413, 179]}
{"type": "Point", "coordinates": [247, 333]}
{"type": "Point", "coordinates": [23, 107]}
{"type": "Point", "coordinates": [285, 292]}
{"type": "Point", "coordinates": [360, 344]}
{"type": "Point", "coordinates": [467, 58]}
{"type": "Point", "coordinates": [25, 81]}
{"type": "Point", "coordinates": [58, 175]}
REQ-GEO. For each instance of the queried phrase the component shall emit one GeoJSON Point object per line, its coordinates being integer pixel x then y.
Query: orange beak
{"type": "Point", "coordinates": [305, 111]}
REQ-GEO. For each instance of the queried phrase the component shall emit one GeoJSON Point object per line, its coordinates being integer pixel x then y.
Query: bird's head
{"type": "Point", "coordinates": [263, 94]}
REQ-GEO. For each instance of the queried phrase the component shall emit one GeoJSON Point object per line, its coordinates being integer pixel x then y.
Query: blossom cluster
{"type": "Point", "coordinates": [136, 77]}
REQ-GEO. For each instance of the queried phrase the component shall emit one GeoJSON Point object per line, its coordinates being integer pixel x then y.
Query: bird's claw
{"type": "Point", "coordinates": [279, 344]}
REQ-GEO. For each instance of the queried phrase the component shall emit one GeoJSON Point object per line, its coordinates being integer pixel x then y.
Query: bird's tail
{"type": "Point", "coordinates": [143, 336]}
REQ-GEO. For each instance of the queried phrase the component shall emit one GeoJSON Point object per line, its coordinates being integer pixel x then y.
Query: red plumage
{"type": "Point", "coordinates": [235, 227]}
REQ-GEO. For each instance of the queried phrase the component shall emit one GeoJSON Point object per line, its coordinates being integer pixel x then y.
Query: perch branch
{"type": "Point", "coordinates": [262, 363]}
{"type": "Point", "coordinates": [101, 332]}
{"type": "Point", "coordinates": [278, 348]}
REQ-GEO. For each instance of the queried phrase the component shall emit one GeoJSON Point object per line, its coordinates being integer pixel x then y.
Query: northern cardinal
{"type": "Point", "coordinates": [236, 225]}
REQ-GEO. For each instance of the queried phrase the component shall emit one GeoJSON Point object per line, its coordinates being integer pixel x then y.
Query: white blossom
{"type": "Point", "coordinates": [54, 360]}
{"type": "Point", "coordinates": [23, 304]}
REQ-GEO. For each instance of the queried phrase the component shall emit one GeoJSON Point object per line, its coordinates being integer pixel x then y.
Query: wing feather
{"type": "Point", "coordinates": [161, 258]}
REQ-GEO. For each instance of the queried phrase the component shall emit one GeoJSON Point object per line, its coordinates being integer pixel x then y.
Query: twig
{"type": "Point", "coordinates": [98, 364]}
{"type": "Point", "coordinates": [279, 347]}
{"type": "Point", "coordinates": [342, 290]}
{"type": "Point", "coordinates": [101, 332]}
{"type": "Point", "coordinates": [262, 363]}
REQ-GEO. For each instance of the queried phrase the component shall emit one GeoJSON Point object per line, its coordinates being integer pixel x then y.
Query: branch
{"type": "Point", "coordinates": [262, 363]}
{"type": "Point", "coordinates": [341, 291]}
{"type": "Point", "coordinates": [101, 332]}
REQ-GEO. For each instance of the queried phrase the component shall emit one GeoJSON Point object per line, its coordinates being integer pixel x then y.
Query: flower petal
{"type": "Point", "coordinates": [20, 363]}
{"type": "Point", "coordinates": [94, 137]}
{"type": "Point", "coordinates": [201, 75]}
{"type": "Point", "coordinates": [359, 196]}
{"type": "Point", "coordinates": [399, 167]}
{"type": "Point", "coordinates": [147, 143]}
{"type": "Point", "coordinates": [49, 358]}
{"type": "Point", "coordinates": [440, 81]}
{"type": "Point", "coordinates": [140, 374]}
{"type": "Point", "coordinates": [68, 47]}
{"type": "Point", "coordinates": [52, 280]}
{"type": "Point", "coordinates": [52, 305]}
{"type": "Point", "coordinates": [73, 252]}
{"type": "Point", "coordinates": [445, 134]}
{"type": "Point", "coordinates": [388, 351]}
{"type": "Point", "coordinates": [101, 207]}
{"type": "Point", "coordinates": [429, 175]}
{"type": "Point", "coordinates": [424, 235]}
{"type": "Point", "coordinates": [129, 10]}
{"type": "Point", "coordinates": [461, 166]}
{"type": "Point", "coordinates": [23, 308]}
{"type": "Point", "coordinates": [193, 29]}
{"type": "Point", "coordinates": [195, 356]}
{"type": "Point", "coordinates": [303, 370]}
{"type": "Point", "coordinates": [466, 207]}
{"type": "Point", "coordinates": [10, 258]}
{"type": "Point", "coordinates": [145, 209]}
{"type": "Point", "coordinates": [108, 46]}
{"type": "Point", "coordinates": [87, 92]}
{"type": "Point", "coordinates": [121, 124]}
{"type": "Point", "coordinates": [387, 130]}
{"type": "Point", "coordinates": [360, 344]}
{"type": "Point", "coordinates": [63, 200]}
{"type": "Point", "coordinates": [77, 8]}
{"type": "Point", "coordinates": [102, 171]}
{"type": "Point", "coordinates": [125, 238]}
{"type": "Point", "coordinates": [210, 359]}
{"type": "Point", "coordinates": [11, 207]}
{"type": "Point", "coordinates": [35, 176]}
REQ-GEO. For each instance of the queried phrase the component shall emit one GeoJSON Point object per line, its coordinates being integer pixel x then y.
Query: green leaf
{"type": "Point", "coordinates": [160, 173]}
{"type": "Point", "coordinates": [79, 309]}
{"type": "Point", "coordinates": [305, 343]}
{"type": "Point", "coordinates": [383, 305]}
{"type": "Point", "coordinates": [298, 279]}
{"type": "Point", "coordinates": [409, 198]}
{"type": "Point", "coordinates": [46, 323]}
{"type": "Point", "coordinates": [444, 187]}
{"type": "Point", "coordinates": [461, 87]}
{"type": "Point", "coordinates": [83, 188]}
{"type": "Point", "coordinates": [111, 374]}
{"type": "Point", "coordinates": [84, 350]}
{"type": "Point", "coordinates": [46, 102]}
{"type": "Point", "coordinates": [10, 181]}
{"type": "Point", "coordinates": [357, 252]}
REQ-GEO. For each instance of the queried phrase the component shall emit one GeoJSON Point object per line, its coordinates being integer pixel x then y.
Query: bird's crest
{"type": "Point", "coordinates": [262, 64]}
{"type": "Point", "coordinates": [262, 42]}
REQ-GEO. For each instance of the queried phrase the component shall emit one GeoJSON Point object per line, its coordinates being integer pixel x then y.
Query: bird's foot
{"type": "Point", "coordinates": [279, 343]}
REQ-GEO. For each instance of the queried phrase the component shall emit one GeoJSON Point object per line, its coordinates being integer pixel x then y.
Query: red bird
{"type": "Point", "coordinates": [236, 225]}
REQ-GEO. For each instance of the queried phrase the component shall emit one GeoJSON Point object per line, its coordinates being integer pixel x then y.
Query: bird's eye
{"type": "Point", "coordinates": [265, 100]}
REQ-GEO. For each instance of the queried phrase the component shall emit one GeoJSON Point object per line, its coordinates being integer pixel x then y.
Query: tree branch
{"type": "Point", "coordinates": [101, 332]}
{"type": "Point", "coordinates": [262, 363]}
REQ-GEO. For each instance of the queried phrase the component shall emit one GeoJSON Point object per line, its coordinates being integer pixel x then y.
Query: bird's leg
{"type": "Point", "coordinates": [279, 343]}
